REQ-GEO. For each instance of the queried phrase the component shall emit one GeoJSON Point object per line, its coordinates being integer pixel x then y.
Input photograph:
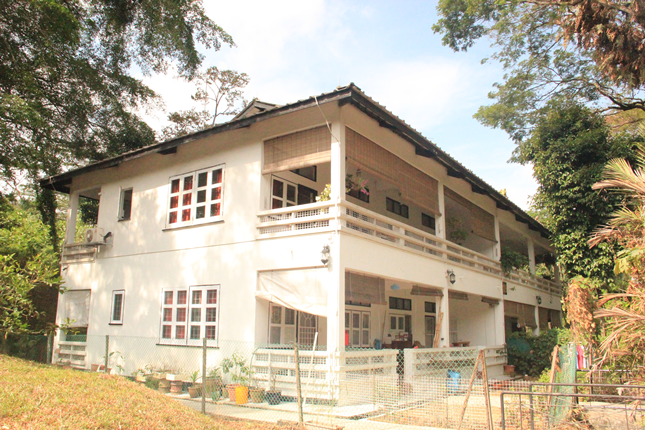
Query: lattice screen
{"type": "Point", "coordinates": [296, 150]}
{"type": "Point", "coordinates": [525, 314]}
{"type": "Point", "coordinates": [364, 289]}
{"type": "Point", "coordinates": [482, 223]}
{"type": "Point", "coordinates": [415, 186]}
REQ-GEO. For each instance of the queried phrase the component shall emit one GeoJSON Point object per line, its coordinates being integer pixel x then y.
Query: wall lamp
{"type": "Point", "coordinates": [451, 277]}
{"type": "Point", "coordinates": [324, 255]}
{"type": "Point", "coordinates": [539, 299]}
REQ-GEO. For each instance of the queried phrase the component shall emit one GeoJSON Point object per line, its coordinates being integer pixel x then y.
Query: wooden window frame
{"type": "Point", "coordinates": [117, 321]}
{"type": "Point", "coordinates": [189, 307]}
{"type": "Point", "coordinates": [189, 199]}
{"type": "Point", "coordinates": [122, 215]}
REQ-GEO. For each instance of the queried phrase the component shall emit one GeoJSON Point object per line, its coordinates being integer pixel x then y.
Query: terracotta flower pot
{"type": "Point", "coordinates": [194, 391]}
{"type": "Point", "coordinates": [509, 369]}
{"type": "Point", "coordinates": [164, 386]}
{"type": "Point", "coordinates": [256, 395]}
{"type": "Point", "coordinates": [231, 391]}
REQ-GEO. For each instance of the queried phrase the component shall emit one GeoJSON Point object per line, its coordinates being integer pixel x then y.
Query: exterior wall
{"type": "Point", "coordinates": [145, 257]}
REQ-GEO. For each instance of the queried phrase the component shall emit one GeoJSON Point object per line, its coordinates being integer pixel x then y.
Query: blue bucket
{"type": "Point", "coordinates": [453, 381]}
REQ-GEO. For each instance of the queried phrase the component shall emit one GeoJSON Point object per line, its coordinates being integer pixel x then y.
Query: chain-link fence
{"type": "Point", "coordinates": [452, 388]}
{"type": "Point", "coordinates": [33, 347]}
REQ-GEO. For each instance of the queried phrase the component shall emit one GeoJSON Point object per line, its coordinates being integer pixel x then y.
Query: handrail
{"type": "Point", "coordinates": [350, 216]}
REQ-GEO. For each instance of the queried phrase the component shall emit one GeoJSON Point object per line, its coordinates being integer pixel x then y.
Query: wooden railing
{"type": "Point", "coordinates": [354, 219]}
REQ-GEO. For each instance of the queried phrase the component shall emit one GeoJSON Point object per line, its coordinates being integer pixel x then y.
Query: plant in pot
{"type": "Point", "coordinates": [194, 390]}
{"type": "Point", "coordinates": [236, 365]}
{"type": "Point", "coordinates": [273, 396]}
{"type": "Point", "coordinates": [256, 394]}
{"type": "Point", "coordinates": [213, 384]}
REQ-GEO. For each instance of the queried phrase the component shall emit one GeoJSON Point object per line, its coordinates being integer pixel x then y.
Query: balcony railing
{"type": "Point", "coordinates": [346, 216]}
{"type": "Point", "coordinates": [520, 277]}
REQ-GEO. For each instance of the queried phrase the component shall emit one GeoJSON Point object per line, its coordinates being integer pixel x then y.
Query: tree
{"type": "Point", "coordinates": [624, 313]}
{"type": "Point", "coordinates": [220, 88]}
{"type": "Point", "coordinates": [568, 149]}
{"type": "Point", "coordinates": [590, 51]}
{"type": "Point", "coordinates": [67, 95]}
{"type": "Point", "coordinates": [29, 278]}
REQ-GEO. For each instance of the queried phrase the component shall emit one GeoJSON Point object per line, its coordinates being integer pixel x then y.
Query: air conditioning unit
{"type": "Point", "coordinates": [94, 235]}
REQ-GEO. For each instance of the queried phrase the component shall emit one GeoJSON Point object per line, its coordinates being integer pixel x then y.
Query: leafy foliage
{"type": "Point", "coordinates": [221, 89]}
{"type": "Point", "coordinates": [568, 150]}
{"type": "Point", "coordinates": [532, 354]}
{"type": "Point", "coordinates": [624, 313]}
{"type": "Point", "coordinates": [28, 270]}
{"type": "Point", "coordinates": [511, 260]}
{"type": "Point", "coordinates": [67, 96]}
{"type": "Point", "coordinates": [586, 51]}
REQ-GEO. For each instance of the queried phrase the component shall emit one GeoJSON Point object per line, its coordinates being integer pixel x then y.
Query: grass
{"type": "Point", "coordinates": [37, 396]}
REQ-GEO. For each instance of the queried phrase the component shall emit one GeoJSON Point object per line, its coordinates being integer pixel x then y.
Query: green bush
{"type": "Point", "coordinates": [531, 355]}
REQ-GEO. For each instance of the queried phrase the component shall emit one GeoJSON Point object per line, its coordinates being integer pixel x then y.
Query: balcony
{"type": "Point", "coordinates": [353, 219]}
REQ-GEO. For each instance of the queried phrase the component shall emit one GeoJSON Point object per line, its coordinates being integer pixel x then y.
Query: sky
{"type": "Point", "coordinates": [294, 49]}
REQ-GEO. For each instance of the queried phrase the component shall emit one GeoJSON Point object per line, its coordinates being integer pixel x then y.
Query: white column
{"type": "Point", "coordinates": [500, 326]}
{"type": "Point", "coordinates": [536, 330]}
{"type": "Point", "coordinates": [444, 305]}
{"type": "Point", "coordinates": [337, 160]}
{"type": "Point", "coordinates": [336, 294]}
{"type": "Point", "coordinates": [441, 222]}
{"type": "Point", "coordinates": [531, 248]}
{"type": "Point", "coordinates": [72, 213]}
{"type": "Point", "coordinates": [498, 245]}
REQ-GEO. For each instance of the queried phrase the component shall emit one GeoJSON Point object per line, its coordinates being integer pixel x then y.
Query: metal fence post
{"type": "Point", "coordinates": [107, 352]}
{"type": "Point", "coordinates": [204, 378]}
{"type": "Point", "coordinates": [50, 347]}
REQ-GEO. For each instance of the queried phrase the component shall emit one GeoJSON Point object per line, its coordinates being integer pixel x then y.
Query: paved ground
{"type": "Point", "coordinates": [273, 415]}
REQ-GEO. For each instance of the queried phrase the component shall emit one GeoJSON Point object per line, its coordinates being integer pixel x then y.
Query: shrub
{"type": "Point", "coordinates": [531, 355]}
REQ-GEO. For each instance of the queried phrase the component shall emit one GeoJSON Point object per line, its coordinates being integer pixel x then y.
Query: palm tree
{"type": "Point", "coordinates": [624, 313]}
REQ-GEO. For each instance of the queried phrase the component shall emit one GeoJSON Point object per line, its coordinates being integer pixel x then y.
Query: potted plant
{"type": "Point", "coordinates": [256, 394]}
{"type": "Point", "coordinates": [240, 371]}
{"type": "Point", "coordinates": [194, 389]}
{"type": "Point", "coordinates": [213, 385]}
{"type": "Point", "coordinates": [273, 396]}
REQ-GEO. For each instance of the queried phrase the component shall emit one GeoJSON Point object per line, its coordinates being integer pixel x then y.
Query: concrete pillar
{"type": "Point", "coordinates": [536, 330]}
{"type": "Point", "coordinates": [444, 306]}
{"type": "Point", "coordinates": [338, 160]}
{"type": "Point", "coordinates": [336, 294]}
{"type": "Point", "coordinates": [72, 213]}
{"type": "Point", "coordinates": [500, 336]}
{"type": "Point", "coordinates": [498, 246]}
{"type": "Point", "coordinates": [531, 249]}
{"type": "Point", "coordinates": [441, 221]}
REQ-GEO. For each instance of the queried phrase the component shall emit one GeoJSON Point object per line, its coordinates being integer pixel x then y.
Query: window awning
{"type": "Point", "coordinates": [364, 290]}
{"type": "Point", "coordinates": [302, 289]}
{"type": "Point", "coordinates": [524, 313]}
{"type": "Point", "coordinates": [296, 150]}
{"type": "Point", "coordinates": [77, 307]}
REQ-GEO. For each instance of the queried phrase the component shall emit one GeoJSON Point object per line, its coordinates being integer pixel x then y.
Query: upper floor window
{"type": "Point", "coordinates": [125, 204]}
{"type": "Point", "coordinates": [396, 207]}
{"type": "Point", "coordinates": [196, 197]}
{"type": "Point", "coordinates": [428, 221]}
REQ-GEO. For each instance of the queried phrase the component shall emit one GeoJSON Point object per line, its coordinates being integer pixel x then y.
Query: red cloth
{"type": "Point", "coordinates": [581, 357]}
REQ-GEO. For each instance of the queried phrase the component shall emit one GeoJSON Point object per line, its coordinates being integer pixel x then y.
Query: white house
{"type": "Point", "coordinates": [218, 235]}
